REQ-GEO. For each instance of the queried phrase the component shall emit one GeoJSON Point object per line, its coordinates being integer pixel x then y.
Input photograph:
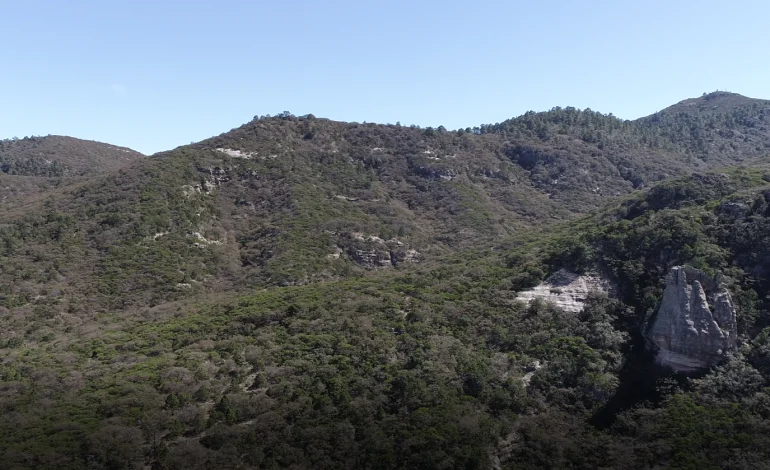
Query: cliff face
{"type": "Point", "coordinates": [566, 290]}
{"type": "Point", "coordinates": [689, 332]}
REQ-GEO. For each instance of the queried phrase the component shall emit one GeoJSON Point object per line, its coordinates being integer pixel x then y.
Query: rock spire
{"type": "Point", "coordinates": [695, 324]}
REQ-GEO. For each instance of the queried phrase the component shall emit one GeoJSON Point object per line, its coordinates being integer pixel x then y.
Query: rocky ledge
{"type": "Point", "coordinates": [566, 290]}
{"type": "Point", "coordinates": [695, 324]}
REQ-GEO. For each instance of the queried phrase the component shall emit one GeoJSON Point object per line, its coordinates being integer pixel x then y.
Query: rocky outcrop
{"type": "Point", "coordinates": [214, 175]}
{"type": "Point", "coordinates": [567, 290]}
{"type": "Point", "coordinates": [695, 325]}
{"type": "Point", "coordinates": [372, 251]}
{"type": "Point", "coordinates": [372, 258]}
{"type": "Point", "coordinates": [210, 178]}
{"type": "Point", "coordinates": [384, 258]}
{"type": "Point", "coordinates": [408, 256]}
{"type": "Point", "coordinates": [435, 173]}
{"type": "Point", "coordinates": [238, 153]}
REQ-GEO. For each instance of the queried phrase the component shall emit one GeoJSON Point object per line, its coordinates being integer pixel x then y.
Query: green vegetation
{"type": "Point", "coordinates": [311, 294]}
{"type": "Point", "coordinates": [58, 156]}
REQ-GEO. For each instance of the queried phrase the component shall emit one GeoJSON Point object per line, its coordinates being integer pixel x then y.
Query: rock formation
{"type": "Point", "coordinates": [372, 251]}
{"type": "Point", "coordinates": [372, 258]}
{"type": "Point", "coordinates": [567, 290]}
{"type": "Point", "coordinates": [695, 324]}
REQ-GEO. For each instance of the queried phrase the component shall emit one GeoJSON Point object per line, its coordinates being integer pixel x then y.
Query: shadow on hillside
{"type": "Point", "coordinates": [640, 381]}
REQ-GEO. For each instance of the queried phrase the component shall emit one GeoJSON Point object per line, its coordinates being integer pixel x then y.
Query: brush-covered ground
{"type": "Point", "coordinates": [300, 293]}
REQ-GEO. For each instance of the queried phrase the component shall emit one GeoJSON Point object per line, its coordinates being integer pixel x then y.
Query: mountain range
{"type": "Point", "coordinates": [305, 293]}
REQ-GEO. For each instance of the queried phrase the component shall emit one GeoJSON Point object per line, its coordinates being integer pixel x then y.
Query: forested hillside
{"type": "Point", "coordinates": [305, 293]}
{"type": "Point", "coordinates": [61, 156]}
{"type": "Point", "coordinates": [32, 166]}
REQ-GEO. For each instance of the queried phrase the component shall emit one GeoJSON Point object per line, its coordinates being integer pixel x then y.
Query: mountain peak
{"type": "Point", "coordinates": [716, 102]}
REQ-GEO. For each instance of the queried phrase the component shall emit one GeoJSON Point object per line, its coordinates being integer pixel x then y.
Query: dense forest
{"type": "Point", "coordinates": [304, 293]}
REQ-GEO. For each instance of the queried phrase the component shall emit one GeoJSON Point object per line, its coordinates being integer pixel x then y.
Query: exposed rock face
{"type": "Point", "coordinates": [372, 258]}
{"type": "Point", "coordinates": [690, 333]}
{"type": "Point", "coordinates": [238, 153]}
{"type": "Point", "coordinates": [372, 251]}
{"type": "Point", "coordinates": [383, 258]}
{"type": "Point", "coordinates": [567, 290]}
{"type": "Point", "coordinates": [410, 256]}
{"type": "Point", "coordinates": [210, 178]}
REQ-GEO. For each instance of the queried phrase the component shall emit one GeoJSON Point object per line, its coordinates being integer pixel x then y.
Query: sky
{"type": "Point", "coordinates": [153, 75]}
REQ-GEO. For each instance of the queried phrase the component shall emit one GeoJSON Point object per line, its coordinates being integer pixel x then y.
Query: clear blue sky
{"type": "Point", "coordinates": [153, 75]}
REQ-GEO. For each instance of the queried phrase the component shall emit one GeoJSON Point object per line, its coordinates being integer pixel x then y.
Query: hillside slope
{"type": "Point", "coordinates": [428, 366]}
{"type": "Point", "coordinates": [56, 156]}
{"type": "Point", "coordinates": [570, 152]}
{"type": "Point", "coordinates": [719, 126]}
{"type": "Point", "coordinates": [294, 200]}
{"type": "Point", "coordinates": [305, 293]}
{"type": "Point", "coordinates": [32, 166]}
{"type": "Point", "coordinates": [291, 200]}
{"type": "Point", "coordinates": [279, 209]}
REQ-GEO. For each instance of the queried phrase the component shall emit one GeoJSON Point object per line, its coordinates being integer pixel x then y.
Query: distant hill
{"type": "Point", "coordinates": [568, 151]}
{"type": "Point", "coordinates": [715, 103]}
{"type": "Point", "coordinates": [56, 156]}
{"type": "Point", "coordinates": [718, 127]}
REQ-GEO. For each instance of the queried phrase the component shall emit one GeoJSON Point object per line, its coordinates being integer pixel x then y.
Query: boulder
{"type": "Point", "coordinates": [695, 324]}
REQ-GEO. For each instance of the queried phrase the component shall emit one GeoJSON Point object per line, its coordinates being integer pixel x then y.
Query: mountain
{"type": "Point", "coordinates": [591, 150]}
{"type": "Point", "coordinates": [717, 126]}
{"type": "Point", "coordinates": [715, 104]}
{"type": "Point", "coordinates": [56, 156]}
{"type": "Point", "coordinates": [290, 200]}
{"type": "Point", "coordinates": [299, 292]}
{"type": "Point", "coordinates": [33, 166]}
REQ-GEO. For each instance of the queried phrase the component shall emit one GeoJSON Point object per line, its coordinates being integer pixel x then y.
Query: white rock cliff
{"type": "Point", "coordinates": [567, 290]}
{"type": "Point", "coordinates": [689, 333]}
